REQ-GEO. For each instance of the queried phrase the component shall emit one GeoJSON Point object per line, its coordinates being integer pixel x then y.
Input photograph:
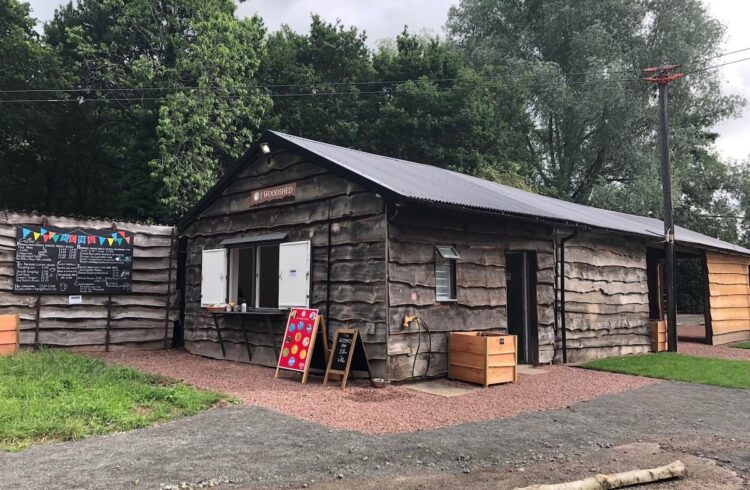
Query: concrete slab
{"type": "Point", "coordinates": [440, 387]}
{"type": "Point", "coordinates": [526, 369]}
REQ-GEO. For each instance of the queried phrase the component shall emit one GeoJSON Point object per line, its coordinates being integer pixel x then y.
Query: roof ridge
{"type": "Point", "coordinates": [339, 147]}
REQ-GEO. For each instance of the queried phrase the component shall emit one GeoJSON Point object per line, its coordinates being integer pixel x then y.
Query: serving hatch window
{"type": "Point", "coordinates": [445, 272]}
{"type": "Point", "coordinates": [263, 275]}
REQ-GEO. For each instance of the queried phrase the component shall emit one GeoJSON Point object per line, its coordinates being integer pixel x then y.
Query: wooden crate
{"type": "Point", "coordinates": [483, 359]}
{"type": "Point", "coordinates": [9, 328]}
{"type": "Point", "coordinates": [658, 329]}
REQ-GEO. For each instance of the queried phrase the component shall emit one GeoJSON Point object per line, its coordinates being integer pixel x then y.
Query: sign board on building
{"type": "Point", "coordinates": [286, 192]}
{"type": "Point", "coordinates": [73, 261]}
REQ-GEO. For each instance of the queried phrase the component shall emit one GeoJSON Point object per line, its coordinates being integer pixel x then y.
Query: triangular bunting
{"type": "Point", "coordinates": [110, 241]}
{"type": "Point", "coordinates": [122, 233]}
{"type": "Point", "coordinates": [55, 238]}
{"type": "Point", "coordinates": [101, 240]}
{"type": "Point", "coordinates": [25, 232]}
{"type": "Point", "coordinates": [118, 240]}
{"type": "Point", "coordinates": [42, 231]}
{"type": "Point", "coordinates": [114, 235]}
{"type": "Point", "coordinates": [45, 238]}
{"type": "Point", "coordinates": [36, 235]}
{"type": "Point", "coordinates": [127, 239]}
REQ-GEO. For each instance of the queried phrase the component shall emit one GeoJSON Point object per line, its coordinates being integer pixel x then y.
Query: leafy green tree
{"type": "Point", "coordinates": [26, 130]}
{"type": "Point", "coordinates": [595, 137]}
{"type": "Point", "coordinates": [438, 110]}
{"type": "Point", "coordinates": [172, 101]}
{"type": "Point", "coordinates": [414, 99]}
{"type": "Point", "coordinates": [329, 68]}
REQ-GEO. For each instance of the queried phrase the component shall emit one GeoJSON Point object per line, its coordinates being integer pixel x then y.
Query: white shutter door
{"type": "Point", "coordinates": [294, 274]}
{"type": "Point", "coordinates": [214, 276]}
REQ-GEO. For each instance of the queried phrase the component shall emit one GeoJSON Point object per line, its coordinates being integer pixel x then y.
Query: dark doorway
{"type": "Point", "coordinates": [520, 271]}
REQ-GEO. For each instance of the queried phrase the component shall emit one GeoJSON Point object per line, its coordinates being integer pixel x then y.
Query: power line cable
{"type": "Point", "coordinates": [383, 91]}
{"type": "Point", "coordinates": [360, 83]}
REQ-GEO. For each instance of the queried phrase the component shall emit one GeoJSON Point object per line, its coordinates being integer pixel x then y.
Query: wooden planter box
{"type": "Point", "coordinates": [482, 359]}
{"type": "Point", "coordinates": [658, 329]}
{"type": "Point", "coordinates": [9, 327]}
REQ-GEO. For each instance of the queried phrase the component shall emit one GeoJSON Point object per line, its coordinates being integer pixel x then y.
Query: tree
{"type": "Point", "coordinates": [165, 99]}
{"type": "Point", "coordinates": [415, 99]}
{"type": "Point", "coordinates": [595, 121]}
{"type": "Point", "coordinates": [328, 67]}
{"type": "Point", "coordinates": [26, 130]}
{"type": "Point", "coordinates": [436, 109]}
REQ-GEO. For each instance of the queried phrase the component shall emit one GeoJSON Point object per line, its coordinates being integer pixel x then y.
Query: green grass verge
{"type": "Point", "coordinates": [740, 345]}
{"type": "Point", "coordinates": [679, 367]}
{"type": "Point", "coordinates": [58, 396]}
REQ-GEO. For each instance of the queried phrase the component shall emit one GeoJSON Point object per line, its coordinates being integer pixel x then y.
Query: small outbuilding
{"type": "Point", "coordinates": [372, 241]}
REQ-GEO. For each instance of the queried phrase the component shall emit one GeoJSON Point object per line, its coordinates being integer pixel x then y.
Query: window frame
{"type": "Point", "coordinates": [447, 255]}
{"type": "Point", "coordinates": [233, 272]}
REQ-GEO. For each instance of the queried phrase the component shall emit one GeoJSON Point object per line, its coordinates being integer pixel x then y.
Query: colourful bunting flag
{"type": "Point", "coordinates": [127, 239]}
{"type": "Point", "coordinates": [114, 235]}
{"type": "Point", "coordinates": [72, 239]}
{"type": "Point", "coordinates": [36, 235]}
{"type": "Point", "coordinates": [122, 233]}
{"type": "Point", "coordinates": [26, 232]}
{"type": "Point", "coordinates": [101, 240]}
{"type": "Point", "coordinates": [119, 240]}
{"type": "Point", "coordinates": [110, 241]}
{"type": "Point", "coordinates": [55, 238]}
{"type": "Point", "coordinates": [81, 239]}
{"type": "Point", "coordinates": [65, 237]}
{"type": "Point", "coordinates": [91, 240]}
{"type": "Point", "coordinates": [45, 238]}
{"type": "Point", "coordinates": [42, 231]}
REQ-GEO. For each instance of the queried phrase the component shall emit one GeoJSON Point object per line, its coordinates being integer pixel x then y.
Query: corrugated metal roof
{"type": "Point", "coordinates": [432, 184]}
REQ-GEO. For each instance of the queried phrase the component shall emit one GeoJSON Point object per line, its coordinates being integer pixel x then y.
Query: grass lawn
{"type": "Point", "coordinates": [679, 367]}
{"type": "Point", "coordinates": [58, 396]}
{"type": "Point", "coordinates": [741, 345]}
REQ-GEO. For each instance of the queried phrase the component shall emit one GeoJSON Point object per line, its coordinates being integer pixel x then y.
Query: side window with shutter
{"type": "Point", "coordinates": [294, 274]}
{"type": "Point", "coordinates": [214, 276]}
{"type": "Point", "coordinates": [445, 272]}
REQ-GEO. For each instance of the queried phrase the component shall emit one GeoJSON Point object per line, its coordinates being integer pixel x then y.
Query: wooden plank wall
{"type": "Point", "coordinates": [482, 241]}
{"type": "Point", "coordinates": [140, 320]}
{"type": "Point", "coordinates": [357, 226]}
{"type": "Point", "coordinates": [729, 297]}
{"type": "Point", "coordinates": [606, 296]}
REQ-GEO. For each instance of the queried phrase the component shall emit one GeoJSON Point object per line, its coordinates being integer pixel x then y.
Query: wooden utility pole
{"type": "Point", "coordinates": [662, 76]}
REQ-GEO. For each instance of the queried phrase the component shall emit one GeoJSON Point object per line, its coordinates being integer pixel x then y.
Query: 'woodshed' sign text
{"type": "Point", "coordinates": [276, 193]}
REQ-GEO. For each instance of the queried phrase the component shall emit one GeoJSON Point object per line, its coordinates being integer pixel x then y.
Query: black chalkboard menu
{"type": "Point", "coordinates": [348, 354]}
{"type": "Point", "coordinates": [73, 261]}
{"type": "Point", "coordinates": [341, 349]}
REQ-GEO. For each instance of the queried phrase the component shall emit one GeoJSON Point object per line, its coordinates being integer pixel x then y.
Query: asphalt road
{"type": "Point", "coordinates": [249, 446]}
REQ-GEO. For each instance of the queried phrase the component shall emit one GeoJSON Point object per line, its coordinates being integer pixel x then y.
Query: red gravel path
{"type": "Point", "coordinates": [720, 351]}
{"type": "Point", "coordinates": [393, 409]}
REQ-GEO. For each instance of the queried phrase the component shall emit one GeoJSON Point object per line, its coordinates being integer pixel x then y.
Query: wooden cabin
{"type": "Point", "coordinates": [372, 241]}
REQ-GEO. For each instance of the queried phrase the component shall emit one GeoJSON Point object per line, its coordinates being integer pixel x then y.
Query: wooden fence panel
{"type": "Point", "coordinates": [142, 319]}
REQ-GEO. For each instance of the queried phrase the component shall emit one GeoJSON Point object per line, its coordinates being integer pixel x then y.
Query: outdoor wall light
{"type": "Point", "coordinates": [265, 148]}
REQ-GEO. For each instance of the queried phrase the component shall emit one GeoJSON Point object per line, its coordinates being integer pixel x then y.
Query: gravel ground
{"type": "Point", "coordinates": [247, 446]}
{"type": "Point", "coordinates": [379, 411]}
{"type": "Point", "coordinates": [720, 351]}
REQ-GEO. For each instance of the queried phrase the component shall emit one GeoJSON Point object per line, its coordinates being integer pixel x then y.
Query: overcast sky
{"type": "Point", "coordinates": [383, 19]}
